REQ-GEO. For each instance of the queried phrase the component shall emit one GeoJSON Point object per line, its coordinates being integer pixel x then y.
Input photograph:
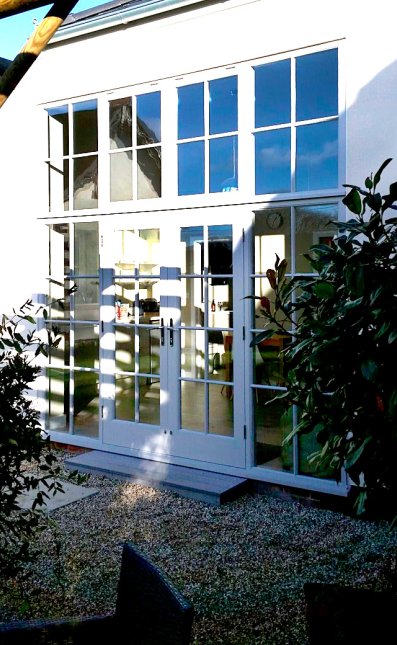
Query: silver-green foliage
{"type": "Point", "coordinates": [22, 442]}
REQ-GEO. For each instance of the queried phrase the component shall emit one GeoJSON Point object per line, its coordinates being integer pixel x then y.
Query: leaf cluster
{"type": "Point", "coordinates": [343, 351]}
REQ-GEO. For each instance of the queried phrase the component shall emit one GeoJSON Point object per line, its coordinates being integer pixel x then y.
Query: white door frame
{"type": "Point", "coordinates": [168, 439]}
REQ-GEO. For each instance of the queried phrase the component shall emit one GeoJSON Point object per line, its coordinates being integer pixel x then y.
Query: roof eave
{"type": "Point", "coordinates": [123, 17]}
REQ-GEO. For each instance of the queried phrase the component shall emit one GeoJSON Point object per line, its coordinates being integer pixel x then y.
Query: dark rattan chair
{"type": "Point", "coordinates": [149, 611]}
{"type": "Point", "coordinates": [337, 615]}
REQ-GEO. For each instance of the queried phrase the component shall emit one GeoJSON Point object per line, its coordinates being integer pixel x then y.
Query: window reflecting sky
{"type": "Point", "coordinates": [317, 156]}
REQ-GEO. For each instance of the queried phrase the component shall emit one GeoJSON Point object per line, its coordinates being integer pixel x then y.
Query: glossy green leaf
{"type": "Point", "coordinates": [378, 174]}
{"type": "Point", "coordinates": [353, 201]}
{"type": "Point", "coordinates": [263, 335]}
{"type": "Point", "coordinates": [369, 369]}
{"type": "Point", "coordinates": [324, 290]}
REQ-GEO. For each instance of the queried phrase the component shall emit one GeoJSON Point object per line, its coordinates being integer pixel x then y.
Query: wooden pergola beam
{"type": "Point", "coordinates": [34, 46]}
{"type": "Point", "coordinates": [12, 7]}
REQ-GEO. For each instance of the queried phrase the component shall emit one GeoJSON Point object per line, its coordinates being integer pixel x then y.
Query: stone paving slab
{"type": "Point", "coordinates": [72, 493]}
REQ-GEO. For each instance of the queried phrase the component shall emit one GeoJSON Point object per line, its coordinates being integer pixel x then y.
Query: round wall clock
{"type": "Point", "coordinates": [274, 220]}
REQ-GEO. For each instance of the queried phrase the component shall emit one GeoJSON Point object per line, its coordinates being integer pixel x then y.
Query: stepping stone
{"type": "Point", "coordinates": [212, 488]}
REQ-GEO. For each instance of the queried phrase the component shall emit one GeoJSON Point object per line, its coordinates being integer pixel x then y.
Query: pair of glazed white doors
{"type": "Point", "coordinates": [172, 341]}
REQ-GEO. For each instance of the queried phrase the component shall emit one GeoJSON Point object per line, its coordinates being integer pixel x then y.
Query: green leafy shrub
{"type": "Point", "coordinates": [22, 442]}
{"type": "Point", "coordinates": [343, 352]}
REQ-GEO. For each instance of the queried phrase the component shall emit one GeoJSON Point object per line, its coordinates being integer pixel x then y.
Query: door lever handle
{"type": "Point", "coordinates": [171, 333]}
{"type": "Point", "coordinates": [162, 331]}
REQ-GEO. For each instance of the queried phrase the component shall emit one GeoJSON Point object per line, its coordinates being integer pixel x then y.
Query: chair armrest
{"type": "Point", "coordinates": [65, 631]}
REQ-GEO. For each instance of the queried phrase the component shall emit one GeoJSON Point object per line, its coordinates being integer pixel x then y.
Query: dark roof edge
{"type": "Point", "coordinates": [119, 13]}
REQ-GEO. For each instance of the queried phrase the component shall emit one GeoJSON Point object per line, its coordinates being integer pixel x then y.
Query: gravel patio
{"type": "Point", "coordinates": [243, 565]}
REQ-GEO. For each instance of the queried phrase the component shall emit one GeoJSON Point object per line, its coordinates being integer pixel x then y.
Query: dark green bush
{"type": "Point", "coordinates": [343, 352]}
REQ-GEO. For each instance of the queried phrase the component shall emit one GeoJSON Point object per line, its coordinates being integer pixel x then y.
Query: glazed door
{"type": "Point", "coordinates": [169, 350]}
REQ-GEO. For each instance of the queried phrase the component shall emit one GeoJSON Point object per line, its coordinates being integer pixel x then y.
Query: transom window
{"type": "Point", "coordinates": [282, 131]}
{"type": "Point", "coordinates": [296, 124]}
{"type": "Point", "coordinates": [73, 152]}
{"type": "Point", "coordinates": [135, 150]}
{"type": "Point", "coordinates": [207, 137]}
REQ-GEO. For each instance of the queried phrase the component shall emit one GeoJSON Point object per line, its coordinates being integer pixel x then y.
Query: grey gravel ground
{"type": "Point", "coordinates": [243, 565]}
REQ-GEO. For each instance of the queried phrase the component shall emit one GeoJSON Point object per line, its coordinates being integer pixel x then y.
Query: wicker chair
{"type": "Point", "coordinates": [149, 611]}
{"type": "Point", "coordinates": [339, 615]}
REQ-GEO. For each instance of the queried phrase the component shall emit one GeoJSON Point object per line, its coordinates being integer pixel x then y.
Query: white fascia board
{"type": "Point", "coordinates": [122, 17]}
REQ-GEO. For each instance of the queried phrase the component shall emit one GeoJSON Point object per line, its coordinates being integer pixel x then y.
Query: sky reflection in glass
{"type": "Point", "coordinates": [223, 105]}
{"type": "Point", "coordinates": [317, 156]}
{"type": "Point", "coordinates": [223, 164]}
{"type": "Point", "coordinates": [273, 93]}
{"type": "Point", "coordinates": [191, 168]}
{"type": "Point", "coordinates": [191, 111]}
{"type": "Point", "coordinates": [273, 161]}
{"type": "Point", "coordinates": [317, 85]}
{"type": "Point", "coordinates": [148, 107]}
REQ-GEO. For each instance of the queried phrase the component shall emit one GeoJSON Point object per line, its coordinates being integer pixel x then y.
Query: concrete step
{"type": "Point", "coordinates": [212, 488]}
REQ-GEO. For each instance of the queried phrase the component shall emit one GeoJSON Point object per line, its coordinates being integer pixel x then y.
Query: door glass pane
{"type": "Point", "coordinates": [220, 355]}
{"type": "Point", "coordinates": [147, 253]}
{"type": "Point", "coordinates": [149, 400]}
{"type": "Point", "coordinates": [58, 131]}
{"type": "Point", "coordinates": [148, 118]}
{"type": "Point", "coordinates": [272, 424]}
{"type": "Point", "coordinates": [59, 301]}
{"type": "Point", "coordinates": [86, 403]}
{"type": "Point", "coordinates": [125, 348]}
{"type": "Point", "coordinates": [86, 299]}
{"type": "Point", "coordinates": [86, 346]}
{"type": "Point", "coordinates": [223, 105]}
{"type": "Point", "coordinates": [273, 93]}
{"type": "Point", "coordinates": [125, 397]}
{"type": "Point", "coordinates": [191, 168]}
{"type": "Point", "coordinates": [192, 353]}
{"type": "Point", "coordinates": [125, 301]}
{"type": "Point", "coordinates": [59, 264]}
{"type": "Point", "coordinates": [86, 249]}
{"type": "Point", "coordinates": [193, 405]}
{"type": "Point", "coordinates": [308, 444]}
{"type": "Point", "coordinates": [58, 400]}
{"type": "Point", "coordinates": [149, 173]}
{"type": "Point", "coordinates": [192, 305]}
{"type": "Point", "coordinates": [272, 236]}
{"type": "Point", "coordinates": [191, 111]}
{"type": "Point", "coordinates": [273, 161]}
{"type": "Point", "coordinates": [149, 350]}
{"type": "Point", "coordinates": [223, 164]}
{"type": "Point", "coordinates": [85, 127]}
{"type": "Point", "coordinates": [85, 182]}
{"type": "Point", "coordinates": [192, 241]}
{"type": "Point", "coordinates": [220, 250]}
{"type": "Point", "coordinates": [313, 226]}
{"type": "Point", "coordinates": [60, 356]}
{"type": "Point", "coordinates": [120, 123]}
{"type": "Point", "coordinates": [317, 156]}
{"type": "Point", "coordinates": [317, 85]}
{"type": "Point", "coordinates": [121, 176]}
{"type": "Point", "coordinates": [220, 410]}
{"type": "Point", "coordinates": [269, 368]}
{"type": "Point", "coordinates": [220, 302]}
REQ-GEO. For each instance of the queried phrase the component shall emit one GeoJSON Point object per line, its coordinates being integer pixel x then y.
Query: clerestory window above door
{"type": "Point", "coordinates": [269, 126]}
{"type": "Point", "coordinates": [207, 137]}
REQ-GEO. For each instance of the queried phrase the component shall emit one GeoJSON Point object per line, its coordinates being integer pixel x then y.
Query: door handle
{"type": "Point", "coordinates": [171, 333]}
{"type": "Point", "coordinates": [162, 331]}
